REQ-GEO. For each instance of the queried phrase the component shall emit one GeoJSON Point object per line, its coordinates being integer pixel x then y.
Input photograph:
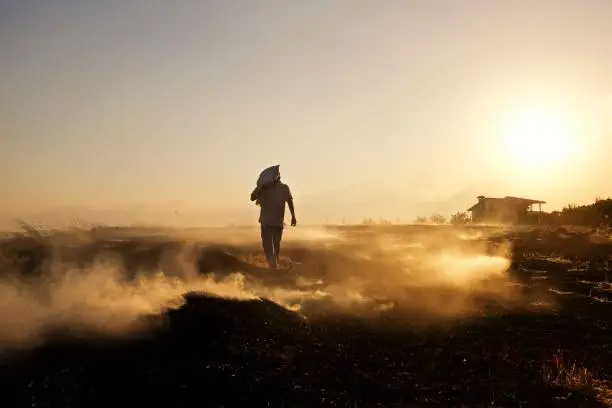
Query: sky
{"type": "Point", "coordinates": [166, 111]}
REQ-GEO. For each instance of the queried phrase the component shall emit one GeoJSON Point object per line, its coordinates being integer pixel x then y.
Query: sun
{"type": "Point", "coordinates": [538, 137]}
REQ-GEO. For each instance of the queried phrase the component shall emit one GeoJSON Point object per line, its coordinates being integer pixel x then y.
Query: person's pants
{"type": "Point", "coordinates": [270, 240]}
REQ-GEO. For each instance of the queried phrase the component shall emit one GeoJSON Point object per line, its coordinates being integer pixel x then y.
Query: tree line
{"type": "Point", "coordinates": [595, 214]}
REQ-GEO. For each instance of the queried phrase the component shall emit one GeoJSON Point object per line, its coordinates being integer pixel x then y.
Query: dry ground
{"type": "Point", "coordinates": [360, 316]}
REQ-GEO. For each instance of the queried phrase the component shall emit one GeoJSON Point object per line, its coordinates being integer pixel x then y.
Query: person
{"type": "Point", "coordinates": [271, 200]}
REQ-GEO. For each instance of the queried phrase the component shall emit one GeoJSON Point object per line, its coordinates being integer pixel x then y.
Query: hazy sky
{"type": "Point", "coordinates": [372, 108]}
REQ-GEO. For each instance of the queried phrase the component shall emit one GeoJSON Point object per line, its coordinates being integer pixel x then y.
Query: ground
{"type": "Point", "coordinates": [390, 316]}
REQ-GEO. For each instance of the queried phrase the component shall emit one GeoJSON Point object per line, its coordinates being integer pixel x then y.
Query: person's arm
{"type": "Point", "coordinates": [255, 194]}
{"type": "Point", "coordinates": [291, 207]}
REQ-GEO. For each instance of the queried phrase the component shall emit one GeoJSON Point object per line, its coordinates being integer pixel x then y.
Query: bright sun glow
{"type": "Point", "coordinates": [538, 138]}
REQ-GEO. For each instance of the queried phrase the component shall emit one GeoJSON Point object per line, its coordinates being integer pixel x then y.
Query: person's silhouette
{"type": "Point", "coordinates": [271, 199]}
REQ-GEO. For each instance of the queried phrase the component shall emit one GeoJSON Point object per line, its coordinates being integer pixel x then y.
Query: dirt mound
{"type": "Point", "coordinates": [205, 317]}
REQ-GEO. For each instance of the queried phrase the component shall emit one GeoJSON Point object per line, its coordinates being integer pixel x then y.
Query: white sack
{"type": "Point", "coordinates": [268, 176]}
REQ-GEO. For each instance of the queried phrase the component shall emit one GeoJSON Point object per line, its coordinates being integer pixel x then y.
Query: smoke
{"type": "Point", "coordinates": [313, 234]}
{"type": "Point", "coordinates": [97, 298]}
{"type": "Point", "coordinates": [433, 272]}
{"type": "Point", "coordinates": [461, 270]}
{"type": "Point", "coordinates": [471, 235]}
{"type": "Point", "coordinates": [251, 235]}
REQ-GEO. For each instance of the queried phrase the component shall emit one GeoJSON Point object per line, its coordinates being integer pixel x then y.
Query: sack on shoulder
{"type": "Point", "coordinates": [268, 176]}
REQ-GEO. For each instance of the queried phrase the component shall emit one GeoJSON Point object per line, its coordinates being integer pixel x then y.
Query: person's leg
{"type": "Point", "coordinates": [278, 236]}
{"type": "Point", "coordinates": [267, 242]}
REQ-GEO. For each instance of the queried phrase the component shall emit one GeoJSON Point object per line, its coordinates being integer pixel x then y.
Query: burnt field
{"type": "Point", "coordinates": [359, 316]}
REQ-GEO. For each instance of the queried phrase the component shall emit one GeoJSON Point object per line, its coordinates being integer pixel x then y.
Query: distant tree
{"type": "Point", "coordinates": [368, 221]}
{"type": "Point", "coordinates": [581, 215]}
{"type": "Point", "coordinates": [460, 218]}
{"type": "Point", "coordinates": [437, 219]}
{"type": "Point", "coordinates": [604, 207]}
{"type": "Point", "coordinates": [570, 208]}
{"type": "Point", "coordinates": [420, 220]}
